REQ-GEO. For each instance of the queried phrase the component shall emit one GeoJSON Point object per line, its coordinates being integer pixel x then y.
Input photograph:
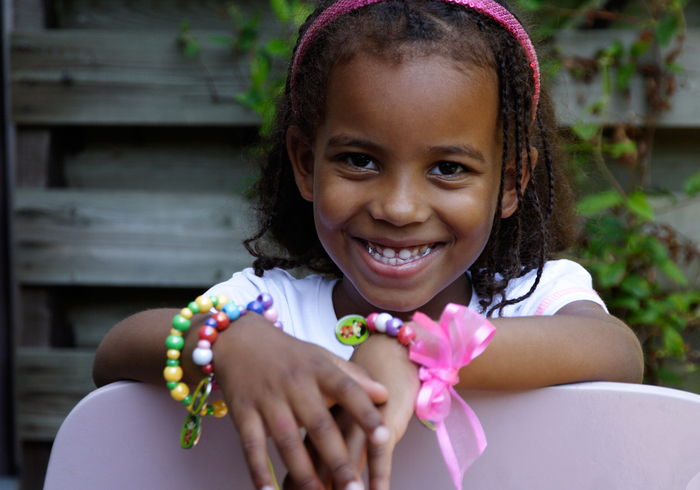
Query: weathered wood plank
{"type": "Point", "coordinates": [128, 238]}
{"type": "Point", "coordinates": [140, 77]}
{"type": "Point", "coordinates": [50, 382]}
{"type": "Point", "coordinates": [571, 96]}
{"type": "Point", "coordinates": [175, 167]}
{"type": "Point", "coordinates": [121, 77]}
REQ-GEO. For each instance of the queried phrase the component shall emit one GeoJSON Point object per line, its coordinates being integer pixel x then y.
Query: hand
{"type": "Point", "coordinates": [275, 383]}
{"type": "Point", "coordinates": [387, 361]}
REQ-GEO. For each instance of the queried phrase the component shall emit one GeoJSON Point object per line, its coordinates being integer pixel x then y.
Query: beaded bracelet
{"type": "Point", "coordinates": [355, 329]}
{"type": "Point", "coordinates": [203, 356]}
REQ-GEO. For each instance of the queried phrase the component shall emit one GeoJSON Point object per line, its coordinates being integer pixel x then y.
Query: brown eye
{"type": "Point", "coordinates": [360, 160]}
{"type": "Point", "coordinates": [447, 168]}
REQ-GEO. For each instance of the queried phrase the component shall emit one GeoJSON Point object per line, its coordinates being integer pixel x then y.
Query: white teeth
{"type": "Point", "coordinates": [389, 253]}
{"type": "Point", "coordinates": [389, 256]}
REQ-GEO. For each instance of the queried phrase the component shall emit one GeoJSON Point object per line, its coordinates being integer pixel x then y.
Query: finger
{"type": "Point", "coordinates": [325, 436]}
{"type": "Point", "coordinates": [353, 398]}
{"type": "Point", "coordinates": [379, 462]}
{"type": "Point", "coordinates": [284, 430]}
{"type": "Point", "coordinates": [252, 433]}
{"type": "Point", "coordinates": [375, 390]}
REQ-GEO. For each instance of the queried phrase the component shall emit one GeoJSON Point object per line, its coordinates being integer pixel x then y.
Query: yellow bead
{"type": "Point", "coordinates": [186, 313]}
{"type": "Point", "coordinates": [175, 331]}
{"type": "Point", "coordinates": [180, 392]}
{"type": "Point", "coordinates": [220, 408]}
{"type": "Point", "coordinates": [172, 373]}
{"type": "Point", "coordinates": [222, 300]}
{"type": "Point", "coordinates": [203, 413]}
{"type": "Point", "coordinates": [173, 354]}
{"type": "Point", "coordinates": [204, 304]}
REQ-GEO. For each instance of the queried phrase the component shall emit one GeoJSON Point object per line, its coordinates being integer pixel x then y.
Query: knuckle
{"type": "Point", "coordinates": [288, 442]}
{"type": "Point", "coordinates": [342, 469]}
{"type": "Point", "coordinates": [251, 445]}
{"type": "Point", "coordinates": [305, 482]}
{"type": "Point", "coordinates": [321, 425]}
{"type": "Point", "coordinates": [345, 387]}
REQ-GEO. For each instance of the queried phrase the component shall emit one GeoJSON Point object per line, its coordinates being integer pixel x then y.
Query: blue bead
{"type": "Point", "coordinates": [231, 310]}
{"type": "Point", "coordinates": [256, 306]}
{"type": "Point", "coordinates": [211, 322]}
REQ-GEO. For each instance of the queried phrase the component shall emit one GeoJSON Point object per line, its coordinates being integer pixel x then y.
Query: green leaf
{"type": "Point", "coordinates": [530, 5]}
{"type": "Point", "coordinates": [219, 39]}
{"type": "Point", "coordinates": [638, 204]}
{"type": "Point", "coordinates": [669, 378]}
{"type": "Point", "coordinates": [640, 47]}
{"type": "Point", "coordinates": [673, 272]}
{"type": "Point", "coordinates": [673, 342]}
{"type": "Point", "coordinates": [636, 286]}
{"type": "Point", "coordinates": [611, 275]}
{"type": "Point", "coordinates": [585, 131]}
{"type": "Point", "coordinates": [623, 148]}
{"type": "Point", "coordinates": [626, 302]}
{"type": "Point", "coordinates": [624, 75]}
{"type": "Point", "coordinates": [282, 10]}
{"type": "Point", "coordinates": [675, 67]}
{"type": "Point", "coordinates": [279, 47]}
{"type": "Point", "coordinates": [597, 203]}
{"type": "Point", "coordinates": [667, 29]}
{"type": "Point", "coordinates": [691, 186]}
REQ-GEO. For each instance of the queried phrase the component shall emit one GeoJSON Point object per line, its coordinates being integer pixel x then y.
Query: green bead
{"type": "Point", "coordinates": [187, 400]}
{"type": "Point", "coordinates": [172, 362]}
{"type": "Point", "coordinates": [194, 307]}
{"type": "Point", "coordinates": [171, 385]}
{"type": "Point", "coordinates": [175, 342]}
{"type": "Point", "coordinates": [210, 410]}
{"type": "Point", "coordinates": [181, 323]}
{"type": "Point", "coordinates": [214, 300]}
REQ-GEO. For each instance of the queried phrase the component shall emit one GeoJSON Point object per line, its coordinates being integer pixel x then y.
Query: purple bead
{"type": "Point", "coordinates": [255, 306]}
{"type": "Point", "coordinates": [266, 300]}
{"type": "Point", "coordinates": [393, 326]}
{"type": "Point", "coordinates": [211, 322]}
{"type": "Point", "coordinates": [279, 325]}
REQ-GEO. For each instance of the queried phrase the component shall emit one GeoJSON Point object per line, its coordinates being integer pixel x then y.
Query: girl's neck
{"type": "Point", "coordinates": [347, 301]}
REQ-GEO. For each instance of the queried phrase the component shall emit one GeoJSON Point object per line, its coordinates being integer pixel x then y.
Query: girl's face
{"type": "Point", "coordinates": [404, 175]}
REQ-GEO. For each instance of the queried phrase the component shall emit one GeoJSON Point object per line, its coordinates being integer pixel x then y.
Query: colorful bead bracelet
{"type": "Point", "coordinates": [355, 329]}
{"type": "Point", "coordinates": [203, 355]}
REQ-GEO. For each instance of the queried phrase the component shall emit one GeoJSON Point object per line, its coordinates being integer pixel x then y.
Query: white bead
{"type": "Point", "coordinates": [380, 322]}
{"type": "Point", "coordinates": [202, 357]}
{"type": "Point", "coordinates": [204, 344]}
{"type": "Point", "coordinates": [271, 314]}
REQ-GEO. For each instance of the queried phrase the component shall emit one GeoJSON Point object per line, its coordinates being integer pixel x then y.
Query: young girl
{"type": "Point", "coordinates": [410, 167]}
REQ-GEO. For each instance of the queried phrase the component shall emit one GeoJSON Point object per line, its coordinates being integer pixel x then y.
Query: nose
{"type": "Point", "coordinates": [400, 201]}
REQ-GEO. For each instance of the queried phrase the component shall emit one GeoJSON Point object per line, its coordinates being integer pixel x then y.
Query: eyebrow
{"type": "Point", "coordinates": [345, 140]}
{"type": "Point", "coordinates": [466, 150]}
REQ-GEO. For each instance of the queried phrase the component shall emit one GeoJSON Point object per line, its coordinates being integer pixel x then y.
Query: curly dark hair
{"type": "Point", "coordinates": [396, 30]}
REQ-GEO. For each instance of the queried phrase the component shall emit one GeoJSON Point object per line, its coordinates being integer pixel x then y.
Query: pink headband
{"type": "Point", "coordinates": [488, 7]}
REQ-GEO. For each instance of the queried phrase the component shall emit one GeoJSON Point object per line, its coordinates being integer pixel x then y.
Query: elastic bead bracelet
{"type": "Point", "coordinates": [355, 329]}
{"type": "Point", "coordinates": [203, 356]}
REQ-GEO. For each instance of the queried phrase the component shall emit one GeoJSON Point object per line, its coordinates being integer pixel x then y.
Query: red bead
{"type": "Point", "coordinates": [208, 333]}
{"type": "Point", "coordinates": [370, 322]}
{"type": "Point", "coordinates": [406, 335]}
{"type": "Point", "coordinates": [208, 368]}
{"type": "Point", "coordinates": [222, 320]}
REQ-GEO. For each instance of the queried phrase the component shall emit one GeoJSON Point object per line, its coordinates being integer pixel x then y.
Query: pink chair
{"type": "Point", "coordinates": [593, 436]}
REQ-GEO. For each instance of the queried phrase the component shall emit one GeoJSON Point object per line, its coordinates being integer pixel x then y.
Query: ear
{"type": "Point", "coordinates": [302, 158]}
{"type": "Point", "coordinates": [509, 201]}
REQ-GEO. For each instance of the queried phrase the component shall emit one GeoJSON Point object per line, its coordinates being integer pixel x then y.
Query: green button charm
{"type": "Point", "coordinates": [352, 330]}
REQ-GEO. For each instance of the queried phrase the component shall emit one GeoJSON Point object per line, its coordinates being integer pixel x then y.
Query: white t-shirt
{"type": "Point", "coordinates": [306, 306]}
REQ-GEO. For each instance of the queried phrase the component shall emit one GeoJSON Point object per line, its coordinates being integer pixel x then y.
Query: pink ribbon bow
{"type": "Point", "coordinates": [441, 350]}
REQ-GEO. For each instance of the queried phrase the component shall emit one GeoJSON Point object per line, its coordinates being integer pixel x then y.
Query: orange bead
{"type": "Point", "coordinates": [180, 392]}
{"type": "Point", "coordinates": [172, 373]}
{"type": "Point", "coordinates": [220, 408]}
{"type": "Point", "coordinates": [173, 354]}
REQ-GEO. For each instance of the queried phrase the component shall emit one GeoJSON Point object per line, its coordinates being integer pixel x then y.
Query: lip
{"type": "Point", "coordinates": [400, 272]}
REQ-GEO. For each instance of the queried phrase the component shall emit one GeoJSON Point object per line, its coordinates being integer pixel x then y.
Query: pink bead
{"type": "Point", "coordinates": [406, 334]}
{"type": "Point", "coordinates": [370, 322]}
{"type": "Point", "coordinates": [271, 314]}
{"type": "Point", "coordinates": [204, 344]}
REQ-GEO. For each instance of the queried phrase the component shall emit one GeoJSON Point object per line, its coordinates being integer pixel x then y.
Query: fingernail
{"type": "Point", "coordinates": [380, 435]}
{"type": "Point", "coordinates": [355, 485]}
{"type": "Point", "coordinates": [267, 487]}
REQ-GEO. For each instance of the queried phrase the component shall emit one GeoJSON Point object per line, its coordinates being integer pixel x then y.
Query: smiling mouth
{"type": "Point", "coordinates": [392, 256]}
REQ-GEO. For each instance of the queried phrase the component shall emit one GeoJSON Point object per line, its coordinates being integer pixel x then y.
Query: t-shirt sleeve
{"type": "Point", "coordinates": [562, 282]}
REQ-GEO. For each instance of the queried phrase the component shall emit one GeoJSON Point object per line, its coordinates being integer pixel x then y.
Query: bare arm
{"type": "Point", "coordinates": [579, 343]}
